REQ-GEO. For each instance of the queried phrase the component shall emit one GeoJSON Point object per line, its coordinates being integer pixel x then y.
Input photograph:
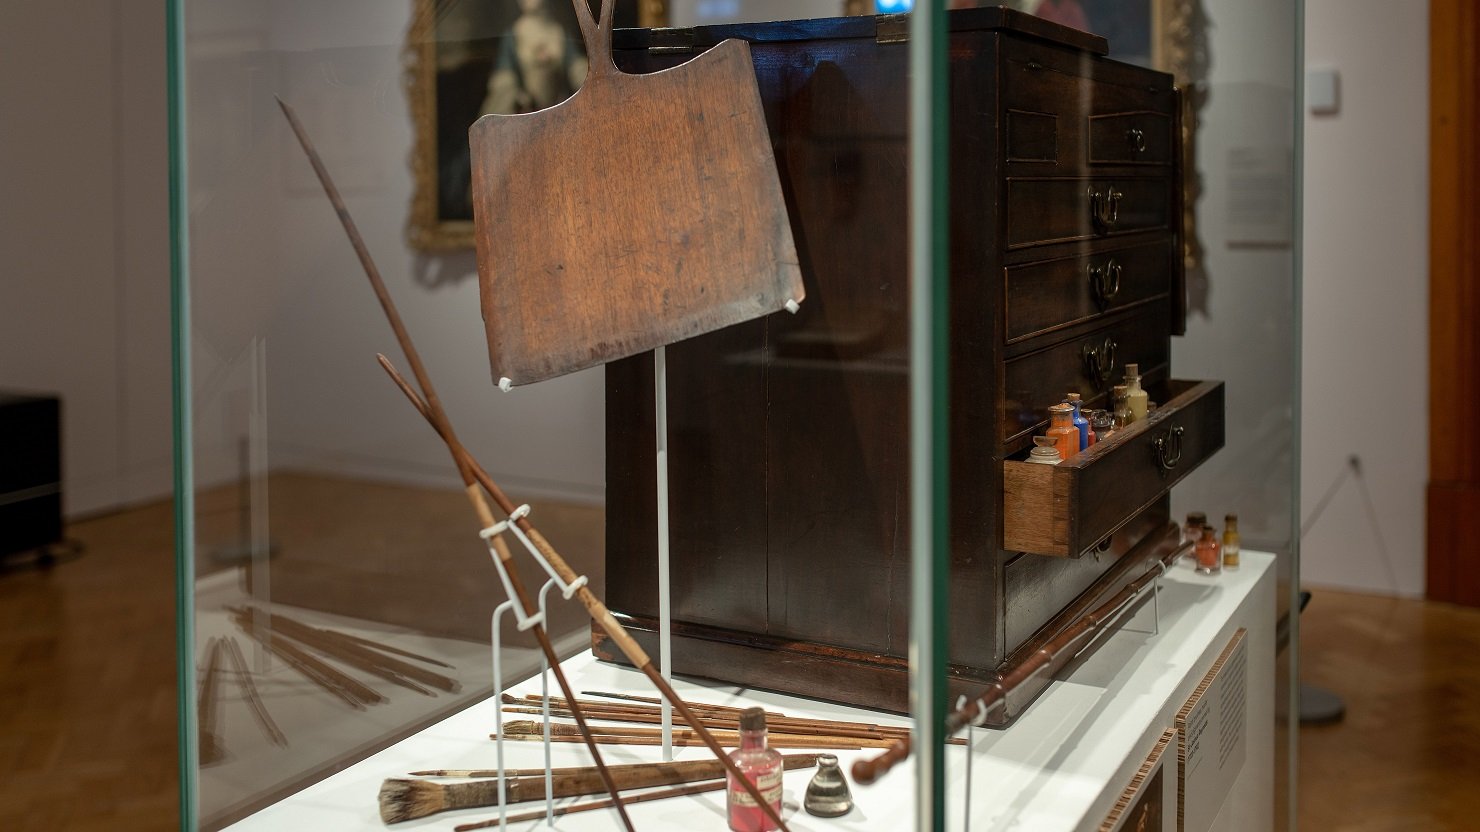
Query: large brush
{"type": "Point", "coordinates": [403, 800]}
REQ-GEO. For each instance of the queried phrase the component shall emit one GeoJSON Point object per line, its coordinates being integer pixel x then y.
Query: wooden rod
{"type": "Point", "coordinates": [681, 791]}
{"type": "Point", "coordinates": [774, 721]}
{"type": "Point", "coordinates": [438, 417]}
{"type": "Point", "coordinates": [353, 653]}
{"type": "Point", "coordinates": [721, 723]}
{"type": "Point", "coordinates": [790, 761]}
{"type": "Point", "coordinates": [684, 739]}
{"type": "Point", "coordinates": [254, 699]}
{"type": "Point", "coordinates": [354, 693]}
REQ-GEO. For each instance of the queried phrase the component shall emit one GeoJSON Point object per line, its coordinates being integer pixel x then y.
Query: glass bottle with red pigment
{"type": "Point", "coordinates": [1209, 558]}
{"type": "Point", "coordinates": [760, 765]}
{"type": "Point", "coordinates": [1062, 431]}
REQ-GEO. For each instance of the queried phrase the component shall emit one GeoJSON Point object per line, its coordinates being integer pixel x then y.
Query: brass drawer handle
{"type": "Point", "coordinates": [1104, 282]}
{"type": "Point", "coordinates": [1137, 139]}
{"type": "Point", "coordinates": [1099, 360]}
{"type": "Point", "coordinates": [1168, 449]}
{"type": "Point", "coordinates": [1104, 207]}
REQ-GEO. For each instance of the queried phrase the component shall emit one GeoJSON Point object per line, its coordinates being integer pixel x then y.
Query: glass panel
{"type": "Point", "coordinates": [330, 528]}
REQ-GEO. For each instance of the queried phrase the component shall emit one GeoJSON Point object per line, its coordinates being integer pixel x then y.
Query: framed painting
{"type": "Point", "coordinates": [465, 58]}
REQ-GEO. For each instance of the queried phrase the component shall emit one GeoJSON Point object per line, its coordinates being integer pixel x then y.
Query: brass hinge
{"type": "Point", "coordinates": [892, 28]}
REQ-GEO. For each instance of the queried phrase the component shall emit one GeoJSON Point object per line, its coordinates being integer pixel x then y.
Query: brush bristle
{"type": "Point", "coordinates": [402, 800]}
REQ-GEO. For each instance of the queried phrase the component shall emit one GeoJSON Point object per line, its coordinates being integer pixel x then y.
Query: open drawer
{"type": "Point", "coordinates": [1067, 509]}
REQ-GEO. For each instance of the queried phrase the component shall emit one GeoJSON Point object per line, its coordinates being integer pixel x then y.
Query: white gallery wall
{"type": "Point", "coordinates": [1366, 297]}
{"type": "Point", "coordinates": [84, 304]}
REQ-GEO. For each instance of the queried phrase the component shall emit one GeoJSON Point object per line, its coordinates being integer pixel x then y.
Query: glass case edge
{"type": "Point", "coordinates": [184, 504]}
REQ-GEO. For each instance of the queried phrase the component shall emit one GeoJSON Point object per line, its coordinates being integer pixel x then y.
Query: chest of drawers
{"type": "Point", "coordinates": [789, 435]}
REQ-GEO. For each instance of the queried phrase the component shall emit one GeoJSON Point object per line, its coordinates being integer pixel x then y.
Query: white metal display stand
{"type": "Point", "coordinates": [524, 622]}
{"type": "Point", "coordinates": [665, 608]}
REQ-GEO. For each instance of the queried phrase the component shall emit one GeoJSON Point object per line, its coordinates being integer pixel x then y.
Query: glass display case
{"type": "Point", "coordinates": [778, 510]}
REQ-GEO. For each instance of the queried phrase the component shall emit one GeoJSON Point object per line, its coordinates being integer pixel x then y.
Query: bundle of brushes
{"type": "Point", "coordinates": [403, 799]}
{"type": "Point", "coordinates": [305, 649]}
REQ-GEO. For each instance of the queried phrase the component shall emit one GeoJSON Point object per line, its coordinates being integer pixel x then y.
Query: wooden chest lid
{"type": "Point", "coordinates": [894, 27]}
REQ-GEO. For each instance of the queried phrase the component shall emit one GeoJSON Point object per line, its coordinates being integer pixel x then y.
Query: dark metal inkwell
{"type": "Point", "coordinates": [827, 794]}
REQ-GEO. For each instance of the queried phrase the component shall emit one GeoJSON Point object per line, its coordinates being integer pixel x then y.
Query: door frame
{"type": "Point", "coordinates": [1453, 494]}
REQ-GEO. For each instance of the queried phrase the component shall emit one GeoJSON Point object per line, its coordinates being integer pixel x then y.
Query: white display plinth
{"type": "Point", "coordinates": [1060, 766]}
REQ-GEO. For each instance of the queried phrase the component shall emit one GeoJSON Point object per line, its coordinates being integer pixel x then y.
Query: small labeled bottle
{"type": "Point", "coordinates": [1045, 451]}
{"type": "Point", "coordinates": [1102, 424]}
{"type": "Point", "coordinates": [1079, 421]}
{"type": "Point", "coordinates": [760, 765]}
{"type": "Point", "coordinates": [1135, 397]}
{"type": "Point", "coordinates": [1230, 541]}
{"type": "Point", "coordinates": [1061, 429]}
{"type": "Point", "coordinates": [1209, 562]}
{"type": "Point", "coordinates": [1122, 412]}
{"type": "Point", "coordinates": [1192, 532]}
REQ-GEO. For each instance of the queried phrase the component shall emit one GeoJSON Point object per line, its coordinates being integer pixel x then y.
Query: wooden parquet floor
{"type": "Point", "coordinates": [1407, 755]}
{"type": "Point", "coordinates": [87, 683]}
{"type": "Point", "coordinates": [87, 698]}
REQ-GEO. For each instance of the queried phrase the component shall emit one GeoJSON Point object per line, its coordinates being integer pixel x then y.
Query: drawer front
{"type": "Point", "coordinates": [1066, 509]}
{"type": "Point", "coordinates": [1137, 138]}
{"type": "Point", "coordinates": [1038, 588]}
{"type": "Point", "coordinates": [1055, 293]}
{"type": "Point", "coordinates": [1072, 113]}
{"type": "Point", "coordinates": [1088, 365]}
{"type": "Point", "coordinates": [1041, 210]}
{"type": "Point", "coordinates": [1135, 471]}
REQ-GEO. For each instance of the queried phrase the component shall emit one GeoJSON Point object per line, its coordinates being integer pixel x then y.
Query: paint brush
{"type": "Point", "coordinates": [403, 800]}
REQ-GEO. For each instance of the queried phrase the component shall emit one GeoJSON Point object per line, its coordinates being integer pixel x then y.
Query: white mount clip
{"type": "Point", "coordinates": [981, 711]}
{"type": "Point", "coordinates": [525, 621]}
{"type": "Point", "coordinates": [792, 306]}
{"type": "Point", "coordinates": [567, 590]}
{"type": "Point", "coordinates": [506, 384]}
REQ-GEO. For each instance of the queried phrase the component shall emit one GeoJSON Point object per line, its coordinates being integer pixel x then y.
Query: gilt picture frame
{"type": "Point", "coordinates": [459, 58]}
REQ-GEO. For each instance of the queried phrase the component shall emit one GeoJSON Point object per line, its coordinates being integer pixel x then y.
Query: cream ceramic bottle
{"type": "Point", "coordinates": [1135, 397]}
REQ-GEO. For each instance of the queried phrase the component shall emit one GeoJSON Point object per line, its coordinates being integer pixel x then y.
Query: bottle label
{"type": "Point", "coordinates": [769, 785]}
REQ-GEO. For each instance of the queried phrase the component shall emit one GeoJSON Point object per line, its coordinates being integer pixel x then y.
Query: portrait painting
{"type": "Point", "coordinates": [465, 58]}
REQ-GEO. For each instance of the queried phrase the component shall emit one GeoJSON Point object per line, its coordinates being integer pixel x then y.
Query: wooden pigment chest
{"type": "Point", "coordinates": [789, 438]}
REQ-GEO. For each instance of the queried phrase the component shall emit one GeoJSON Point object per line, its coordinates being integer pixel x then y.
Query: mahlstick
{"type": "Point", "coordinates": [438, 417]}
{"type": "Point", "coordinates": [1048, 659]}
{"type": "Point", "coordinates": [597, 610]}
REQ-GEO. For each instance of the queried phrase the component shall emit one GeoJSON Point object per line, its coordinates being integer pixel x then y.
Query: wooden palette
{"type": "Point", "coordinates": [644, 210]}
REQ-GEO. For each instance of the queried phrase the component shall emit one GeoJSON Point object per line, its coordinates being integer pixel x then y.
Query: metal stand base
{"type": "Point", "coordinates": [1319, 706]}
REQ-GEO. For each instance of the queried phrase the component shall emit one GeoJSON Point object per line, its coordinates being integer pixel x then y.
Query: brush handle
{"type": "Point", "coordinates": [791, 761]}
{"type": "Point", "coordinates": [597, 804]}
